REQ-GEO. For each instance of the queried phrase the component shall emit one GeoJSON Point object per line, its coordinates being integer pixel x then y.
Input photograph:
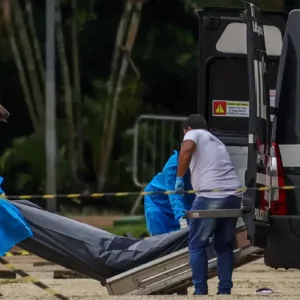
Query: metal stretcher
{"type": "Point", "coordinates": [171, 273]}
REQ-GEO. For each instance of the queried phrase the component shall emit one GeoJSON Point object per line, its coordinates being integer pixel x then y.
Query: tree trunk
{"type": "Point", "coordinates": [67, 93]}
{"type": "Point", "coordinates": [36, 45]}
{"type": "Point", "coordinates": [121, 33]}
{"type": "Point", "coordinates": [29, 58]}
{"type": "Point", "coordinates": [133, 29]}
{"type": "Point", "coordinates": [21, 71]}
{"type": "Point", "coordinates": [6, 9]}
{"type": "Point", "coordinates": [122, 28]}
{"type": "Point", "coordinates": [76, 83]}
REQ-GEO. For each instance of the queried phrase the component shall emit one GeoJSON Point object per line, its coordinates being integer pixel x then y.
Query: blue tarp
{"type": "Point", "coordinates": [162, 212]}
{"type": "Point", "coordinates": [13, 227]}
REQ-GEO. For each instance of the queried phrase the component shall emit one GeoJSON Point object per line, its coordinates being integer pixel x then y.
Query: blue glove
{"type": "Point", "coordinates": [179, 185]}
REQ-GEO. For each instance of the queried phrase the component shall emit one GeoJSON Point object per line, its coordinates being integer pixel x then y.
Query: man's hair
{"type": "Point", "coordinates": [195, 121]}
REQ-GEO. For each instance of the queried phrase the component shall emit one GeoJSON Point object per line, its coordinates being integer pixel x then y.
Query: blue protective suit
{"type": "Point", "coordinates": [13, 227]}
{"type": "Point", "coordinates": [162, 212]}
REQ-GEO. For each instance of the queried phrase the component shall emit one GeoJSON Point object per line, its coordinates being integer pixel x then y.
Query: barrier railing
{"type": "Point", "coordinates": [154, 137]}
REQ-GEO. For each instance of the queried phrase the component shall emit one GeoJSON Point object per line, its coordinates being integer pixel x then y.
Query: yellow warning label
{"type": "Point", "coordinates": [236, 109]}
{"type": "Point", "coordinates": [220, 109]}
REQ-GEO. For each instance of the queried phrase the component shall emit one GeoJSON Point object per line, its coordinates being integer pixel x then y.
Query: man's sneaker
{"type": "Point", "coordinates": [218, 293]}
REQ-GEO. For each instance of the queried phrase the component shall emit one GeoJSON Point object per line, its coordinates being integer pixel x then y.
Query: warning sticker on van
{"type": "Point", "coordinates": [219, 108]}
{"type": "Point", "coordinates": [224, 108]}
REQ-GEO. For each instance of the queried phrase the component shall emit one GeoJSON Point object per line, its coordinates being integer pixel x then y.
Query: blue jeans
{"type": "Point", "coordinates": [223, 232]}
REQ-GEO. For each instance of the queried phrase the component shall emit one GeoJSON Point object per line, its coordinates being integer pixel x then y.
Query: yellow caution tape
{"type": "Point", "coordinates": [16, 253]}
{"type": "Point", "coordinates": [125, 194]}
{"type": "Point", "coordinates": [31, 279]}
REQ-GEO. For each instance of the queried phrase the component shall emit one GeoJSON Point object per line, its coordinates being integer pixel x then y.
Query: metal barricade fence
{"type": "Point", "coordinates": [155, 137]}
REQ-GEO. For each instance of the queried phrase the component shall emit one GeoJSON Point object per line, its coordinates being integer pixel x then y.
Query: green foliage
{"type": "Point", "coordinates": [23, 163]}
{"type": "Point", "coordinates": [178, 56]}
{"type": "Point", "coordinates": [136, 230]}
{"type": "Point", "coordinates": [94, 114]}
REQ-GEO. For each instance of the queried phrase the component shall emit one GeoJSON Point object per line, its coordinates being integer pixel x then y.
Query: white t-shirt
{"type": "Point", "coordinates": [211, 167]}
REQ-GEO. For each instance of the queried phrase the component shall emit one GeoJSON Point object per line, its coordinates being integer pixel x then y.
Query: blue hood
{"type": "Point", "coordinates": [159, 181]}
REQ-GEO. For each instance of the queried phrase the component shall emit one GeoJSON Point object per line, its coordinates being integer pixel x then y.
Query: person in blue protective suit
{"type": "Point", "coordinates": [164, 213]}
{"type": "Point", "coordinates": [13, 227]}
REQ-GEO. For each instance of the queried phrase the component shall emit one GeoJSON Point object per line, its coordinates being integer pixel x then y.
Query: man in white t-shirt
{"type": "Point", "coordinates": [211, 168]}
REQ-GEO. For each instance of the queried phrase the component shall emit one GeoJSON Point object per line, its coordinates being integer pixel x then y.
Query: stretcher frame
{"type": "Point", "coordinates": [169, 274]}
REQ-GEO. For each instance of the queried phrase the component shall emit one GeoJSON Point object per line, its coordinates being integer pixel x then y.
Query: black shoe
{"type": "Point", "coordinates": [182, 292]}
{"type": "Point", "coordinates": [218, 293]}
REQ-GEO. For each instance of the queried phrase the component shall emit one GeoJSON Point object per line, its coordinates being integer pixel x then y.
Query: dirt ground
{"type": "Point", "coordinates": [247, 280]}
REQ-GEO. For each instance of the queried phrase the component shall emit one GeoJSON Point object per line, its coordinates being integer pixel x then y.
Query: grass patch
{"type": "Point", "coordinates": [136, 230]}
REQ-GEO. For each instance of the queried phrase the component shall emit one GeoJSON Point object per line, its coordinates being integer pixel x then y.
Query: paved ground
{"type": "Point", "coordinates": [247, 280]}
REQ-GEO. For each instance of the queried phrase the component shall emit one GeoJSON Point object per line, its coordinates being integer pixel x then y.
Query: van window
{"type": "Point", "coordinates": [233, 40]}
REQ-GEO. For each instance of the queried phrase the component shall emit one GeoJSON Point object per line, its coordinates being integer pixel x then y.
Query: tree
{"type": "Point", "coordinates": [76, 82]}
{"type": "Point", "coordinates": [30, 63]}
{"type": "Point", "coordinates": [36, 45]}
{"type": "Point", "coordinates": [116, 91]}
{"type": "Point", "coordinates": [19, 64]}
{"type": "Point", "coordinates": [68, 99]}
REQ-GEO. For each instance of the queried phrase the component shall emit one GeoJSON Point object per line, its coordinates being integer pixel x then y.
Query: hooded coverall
{"type": "Point", "coordinates": [13, 227]}
{"type": "Point", "coordinates": [163, 212]}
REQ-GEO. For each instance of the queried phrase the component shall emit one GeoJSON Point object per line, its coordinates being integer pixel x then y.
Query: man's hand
{"type": "Point", "coordinates": [183, 223]}
{"type": "Point", "coordinates": [179, 185]}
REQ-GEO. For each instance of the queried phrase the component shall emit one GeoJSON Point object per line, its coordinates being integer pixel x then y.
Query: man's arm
{"type": "Point", "coordinates": [185, 155]}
